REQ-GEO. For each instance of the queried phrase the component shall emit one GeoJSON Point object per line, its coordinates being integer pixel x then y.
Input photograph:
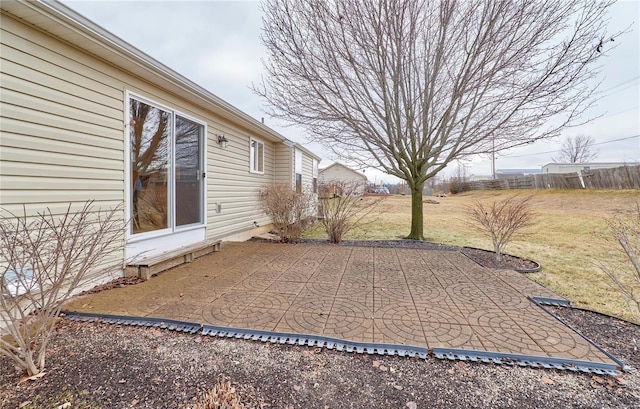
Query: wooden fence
{"type": "Point", "coordinates": [624, 177]}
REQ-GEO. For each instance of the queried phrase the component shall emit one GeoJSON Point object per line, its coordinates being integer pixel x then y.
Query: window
{"type": "Point", "coordinates": [299, 182]}
{"type": "Point", "coordinates": [256, 153]}
{"type": "Point", "coordinates": [298, 168]}
{"type": "Point", "coordinates": [314, 171]}
{"type": "Point", "coordinates": [166, 169]}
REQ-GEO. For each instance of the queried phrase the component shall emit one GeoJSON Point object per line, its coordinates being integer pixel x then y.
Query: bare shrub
{"type": "Point", "coordinates": [291, 212]}
{"type": "Point", "coordinates": [626, 276]}
{"type": "Point", "coordinates": [344, 211]}
{"type": "Point", "coordinates": [43, 259]}
{"type": "Point", "coordinates": [457, 186]}
{"type": "Point", "coordinates": [502, 220]}
{"type": "Point", "coordinates": [222, 396]}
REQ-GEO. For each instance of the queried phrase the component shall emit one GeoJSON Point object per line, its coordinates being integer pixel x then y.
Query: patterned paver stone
{"type": "Point", "coordinates": [403, 296]}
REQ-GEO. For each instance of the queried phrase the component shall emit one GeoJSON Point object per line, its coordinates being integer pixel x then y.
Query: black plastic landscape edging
{"type": "Point", "coordinates": [620, 364]}
{"type": "Point", "coordinates": [526, 360]}
{"type": "Point", "coordinates": [357, 347]}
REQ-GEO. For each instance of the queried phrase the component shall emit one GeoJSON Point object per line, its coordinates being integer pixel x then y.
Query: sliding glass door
{"type": "Point", "coordinates": [166, 170]}
{"type": "Point", "coordinates": [188, 172]}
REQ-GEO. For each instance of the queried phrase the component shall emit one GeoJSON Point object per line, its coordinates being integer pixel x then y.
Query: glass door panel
{"type": "Point", "coordinates": [188, 172]}
{"type": "Point", "coordinates": [150, 135]}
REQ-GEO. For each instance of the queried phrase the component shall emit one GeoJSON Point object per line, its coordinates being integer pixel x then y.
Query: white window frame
{"type": "Point", "coordinates": [172, 228]}
{"type": "Point", "coordinates": [253, 156]}
{"type": "Point", "coordinates": [314, 174]}
{"type": "Point", "coordinates": [298, 171]}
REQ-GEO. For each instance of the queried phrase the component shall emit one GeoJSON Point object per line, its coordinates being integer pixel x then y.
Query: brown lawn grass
{"type": "Point", "coordinates": [569, 237]}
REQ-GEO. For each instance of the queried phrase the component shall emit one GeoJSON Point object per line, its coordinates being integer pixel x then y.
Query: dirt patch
{"type": "Point", "coordinates": [109, 366]}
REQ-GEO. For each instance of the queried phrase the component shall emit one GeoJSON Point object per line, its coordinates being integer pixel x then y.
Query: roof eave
{"type": "Point", "coordinates": [76, 30]}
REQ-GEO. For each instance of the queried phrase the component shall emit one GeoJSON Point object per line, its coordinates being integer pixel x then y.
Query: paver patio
{"type": "Point", "coordinates": [423, 298]}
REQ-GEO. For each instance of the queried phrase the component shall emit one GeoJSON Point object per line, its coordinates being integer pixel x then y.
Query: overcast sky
{"type": "Point", "coordinates": [217, 45]}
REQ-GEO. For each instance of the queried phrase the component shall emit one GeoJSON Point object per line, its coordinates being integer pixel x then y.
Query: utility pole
{"type": "Point", "coordinates": [493, 158]}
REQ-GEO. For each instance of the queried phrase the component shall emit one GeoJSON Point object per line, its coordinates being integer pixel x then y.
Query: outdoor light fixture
{"type": "Point", "coordinates": [223, 141]}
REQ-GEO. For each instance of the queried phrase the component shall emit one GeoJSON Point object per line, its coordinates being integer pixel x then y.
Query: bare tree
{"type": "Point", "coordinates": [410, 85]}
{"type": "Point", "coordinates": [44, 259]}
{"type": "Point", "coordinates": [626, 276]}
{"type": "Point", "coordinates": [578, 149]}
{"type": "Point", "coordinates": [502, 220]}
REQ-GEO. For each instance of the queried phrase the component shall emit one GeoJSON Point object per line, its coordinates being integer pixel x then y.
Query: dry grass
{"type": "Point", "coordinates": [222, 396]}
{"type": "Point", "coordinates": [569, 235]}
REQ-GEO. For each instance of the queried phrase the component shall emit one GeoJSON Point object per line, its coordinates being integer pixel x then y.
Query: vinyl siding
{"type": "Point", "coordinates": [63, 117]}
{"type": "Point", "coordinates": [62, 139]}
{"type": "Point", "coordinates": [284, 164]}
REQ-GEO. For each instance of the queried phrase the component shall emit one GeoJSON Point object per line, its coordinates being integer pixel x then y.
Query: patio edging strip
{"type": "Point", "coordinates": [316, 340]}
{"type": "Point", "coordinates": [358, 347]}
{"type": "Point", "coordinates": [556, 302]}
{"type": "Point", "coordinates": [526, 360]}
{"type": "Point", "coordinates": [172, 325]}
{"type": "Point", "coordinates": [620, 364]}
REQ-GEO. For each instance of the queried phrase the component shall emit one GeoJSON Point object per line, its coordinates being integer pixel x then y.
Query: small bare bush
{"type": "Point", "coordinates": [343, 212]}
{"type": "Point", "coordinates": [626, 276]}
{"type": "Point", "coordinates": [291, 212]}
{"type": "Point", "coordinates": [502, 220]}
{"type": "Point", "coordinates": [222, 396]}
{"type": "Point", "coordinates": [43, 259]}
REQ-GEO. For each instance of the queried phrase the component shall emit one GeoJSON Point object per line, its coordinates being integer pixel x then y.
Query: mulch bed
{"type": "Point", "coordinates": [485, 258]}
{"type": "Point", "coordinates": [488, 259]}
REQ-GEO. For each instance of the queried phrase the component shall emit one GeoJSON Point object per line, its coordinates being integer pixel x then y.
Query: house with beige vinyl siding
{"type": "Point", "coordinates": [86, 116]}
{"type": "Point", "coordinates": [339, 173]}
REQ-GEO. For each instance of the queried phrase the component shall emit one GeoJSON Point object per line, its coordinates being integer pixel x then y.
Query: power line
{"type": "Point", "coordinates": [558, 150]}
{"type": "Point", "coordinates": [620, 90]}
{"type": "Point", "coordinates": [622, 83]}
{"type": "Point", "coordinates": [617, 113]}
{"type": "Point", "coordinates": [617, 140]}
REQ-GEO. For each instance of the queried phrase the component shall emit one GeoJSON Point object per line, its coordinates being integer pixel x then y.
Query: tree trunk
{"type": "Point", "coordinates": [417, 218]}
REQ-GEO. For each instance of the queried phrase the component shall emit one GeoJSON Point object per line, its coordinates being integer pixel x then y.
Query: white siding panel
{"type": "Point", "coordinates": [31, 143]}
{"type": "Point", "coordinates": [10, 125]}
{"type": "Point", "coordinates": [10, 168]}
{"type": "Point", "coordinates": [68, 86]}
{"type": "Point", "coordinates": [13, 199]}
{"type": "Point", "coordinates": [28, 117]}
{"type": "Point", "coordinates": [10, 182]}
{"type": "Point", "coordinates": [72, 111]}
{"type": "Point", "coordinates": [283, 164]}
{"type": "Point", "coordinates": [67, 160]}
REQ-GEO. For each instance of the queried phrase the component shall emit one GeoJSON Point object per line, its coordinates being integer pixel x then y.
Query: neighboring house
{"type": "Point", "coordinates": [514, 173]}
{"type": "Point", "coordinates": [578, 167]}
{"type": "Point", "coordinates": [86, 116]}
{"type": "Point", "coordinates": [339, 173]}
